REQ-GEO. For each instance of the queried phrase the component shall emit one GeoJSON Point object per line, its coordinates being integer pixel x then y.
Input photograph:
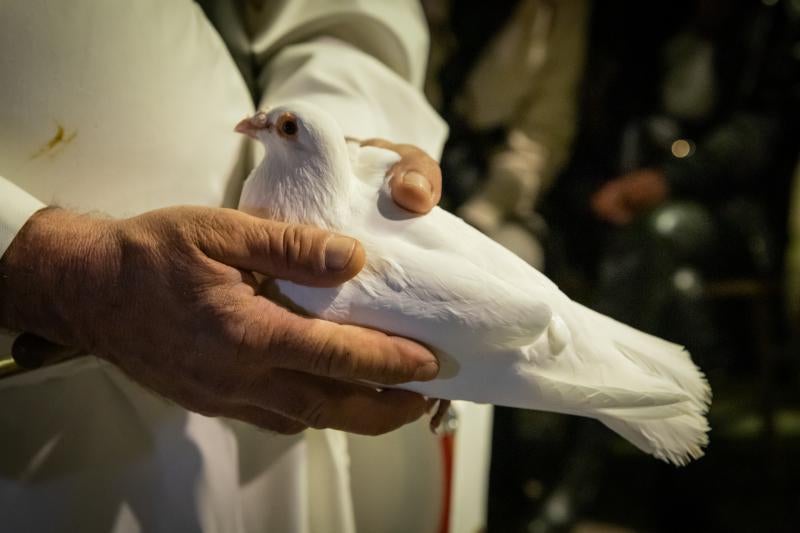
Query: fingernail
{"type": "Point", "coordinates": [415, 179]}
{"type": "Point", "coordinates": [426, 371]}
{"type": "Point", "coordinates": [338, 252]}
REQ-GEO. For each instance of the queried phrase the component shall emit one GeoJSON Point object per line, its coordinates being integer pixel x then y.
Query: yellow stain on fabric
{"type": "Point", "coordinates": [58, 140]}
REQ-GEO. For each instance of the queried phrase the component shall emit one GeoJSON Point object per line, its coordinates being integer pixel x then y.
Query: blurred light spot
{"type": "Point", "coordinates": [682, 148]}
{"type": "Point", "coordinates": [533, 489]}
{"type": "Point", "coordinates": [787, 422]}
{"type": "Point", "coordinates": [666, 222]}
{"type": "Point", "coordinates": [769, 2]}
{"type": "Point", "coordinates": [686, 280]}
{"type": "Point", "coordinates": [751, 425]}
{"type": "Point", "coordinates": [557, 509]}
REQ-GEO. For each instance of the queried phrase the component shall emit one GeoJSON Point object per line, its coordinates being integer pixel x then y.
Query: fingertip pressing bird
{"type": "Point", "coordinates": [503, 332]}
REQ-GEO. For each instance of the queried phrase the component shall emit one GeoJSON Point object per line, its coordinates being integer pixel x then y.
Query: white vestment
{"type": "Point", "coordinates": [121, 107]}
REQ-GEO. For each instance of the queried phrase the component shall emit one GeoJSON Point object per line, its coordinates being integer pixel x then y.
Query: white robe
{"type": "Point", "coordinates": [122, 107]}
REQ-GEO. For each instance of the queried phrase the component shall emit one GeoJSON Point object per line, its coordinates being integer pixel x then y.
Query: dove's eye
{"type": "Point", "coordinates": [288, 126]}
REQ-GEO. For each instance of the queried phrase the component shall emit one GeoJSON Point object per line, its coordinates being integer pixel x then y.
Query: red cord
{"type": "Point", "coordinates": [447, 444]}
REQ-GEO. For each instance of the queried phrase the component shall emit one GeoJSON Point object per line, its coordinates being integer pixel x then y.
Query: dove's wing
{"type": "Point", "coordinates": [430, 295]}
{"type": "Point", "coordinates": [646, 389]}
{"type": "Point", "coordinates": [438, 229]}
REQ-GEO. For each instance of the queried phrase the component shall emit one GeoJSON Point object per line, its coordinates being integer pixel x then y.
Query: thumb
{"type": "Point", "coordinates": [303, 254]}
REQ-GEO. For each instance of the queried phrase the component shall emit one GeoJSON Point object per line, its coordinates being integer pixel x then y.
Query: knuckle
{"type": "Point", "coordinates": [210, 232]}
{"type": "Point", "coordinates": [233, 333]}
{"type": "Point", "coordinates": [283, 247]}
{"type": "Point", "coordinates": [276, 236]}
{"type": "Point", "coordinates": [294, 248]}
{"type": "Point", "coordinates": [211, 228]}
{"type": "Point", "coordinates": [333, 359]}
{"type": "Point", "coordinates": [323, 361]}
{"type": "Point", "coordinates": [284, 340]}
{"type": "Point", "coordinates": [292, 245]}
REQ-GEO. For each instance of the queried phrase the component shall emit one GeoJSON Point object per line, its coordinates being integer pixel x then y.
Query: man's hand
{"type": "Point", "coordinates": [620, 200]}
{"type": "Point", "coordinates": [416, 179]}
{"type": "Point", "coordinates": [169, 297]}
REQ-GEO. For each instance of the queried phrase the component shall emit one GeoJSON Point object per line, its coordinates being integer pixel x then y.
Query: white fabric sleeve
{"type": "Point", "coordinates": [16, 207]}
{"type": "Point", "coordinates": [366, 97]}
{"type": "Point", "coordinates": [363, 61]}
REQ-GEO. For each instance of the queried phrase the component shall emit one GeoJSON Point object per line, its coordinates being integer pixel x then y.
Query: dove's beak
{"type": "Point", "coordinates": [252, 125]}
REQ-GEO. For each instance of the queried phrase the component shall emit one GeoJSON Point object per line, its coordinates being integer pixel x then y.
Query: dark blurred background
{"type": "Point", "coordinates": [645, 156]}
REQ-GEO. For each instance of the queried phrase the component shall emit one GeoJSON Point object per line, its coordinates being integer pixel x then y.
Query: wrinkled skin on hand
{"type": "Point", "coordinates": [170, 297]}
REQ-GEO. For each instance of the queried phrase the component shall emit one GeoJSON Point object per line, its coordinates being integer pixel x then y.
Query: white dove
{"type": "Point", "coordinates": [503, 332]}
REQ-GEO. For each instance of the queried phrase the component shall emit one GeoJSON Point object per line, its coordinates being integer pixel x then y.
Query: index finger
{"type": "Point", "coordinates": [416, 179]}
{"type": "Point", "coordinates": [328, 403]}
{"type": "Point", "coordinates": [338, 351]}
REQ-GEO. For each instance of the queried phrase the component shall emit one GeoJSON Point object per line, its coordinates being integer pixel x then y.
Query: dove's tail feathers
{"type": "Point", "coordinates": [674, 439]}
{"type": "Point", "coordinates": [655, 356]}
{"type": "Point", "coordinates": [674, 436]}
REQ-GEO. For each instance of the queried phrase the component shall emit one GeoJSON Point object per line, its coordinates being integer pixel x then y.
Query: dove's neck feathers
{"type": "Point", "coordinates": [304, 188]}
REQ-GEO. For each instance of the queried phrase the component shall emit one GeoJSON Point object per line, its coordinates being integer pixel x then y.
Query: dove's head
{"type": "Point", "coordinates": [298, 129]}
{"type": "Point", "coordinates": [305, 175]}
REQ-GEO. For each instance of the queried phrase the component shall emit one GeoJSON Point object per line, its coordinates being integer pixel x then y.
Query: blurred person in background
{"type": "Point", "coordinates": [509, 75]}
{"type": "Point", "coordinates": [684, 161]}
{"type": "Point", "coordinates": [687, 134]}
